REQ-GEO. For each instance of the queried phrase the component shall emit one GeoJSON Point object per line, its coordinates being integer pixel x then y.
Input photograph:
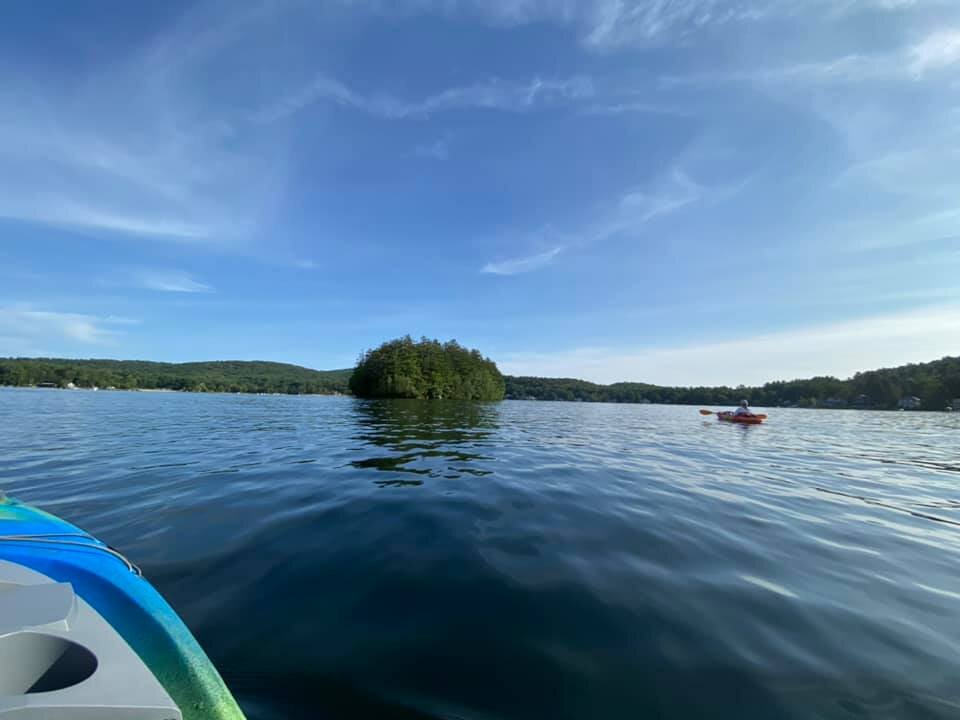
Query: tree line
{"type": "Point", "coordinates": [430, 369]}
{"type": "Point", "coordinates": [223, 376]}
{"type": "Point", "coordinates": [426, 370]}
{"type": "Point", "coordinates": [936, 384]}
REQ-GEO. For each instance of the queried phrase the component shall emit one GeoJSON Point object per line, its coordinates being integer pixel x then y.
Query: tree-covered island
{"type": "Point", "coordinates": [426, 370]}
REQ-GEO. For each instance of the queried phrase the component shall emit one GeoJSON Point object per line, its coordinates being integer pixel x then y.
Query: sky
{"type": "Point", "coordinates": [681, 192]}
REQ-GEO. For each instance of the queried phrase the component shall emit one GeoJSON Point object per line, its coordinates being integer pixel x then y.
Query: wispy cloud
{"type": "Point", "coordinates": [136, 148]}
{"type": "Point", "coordinates": [143, 148]}
{"type": "Point", "coordinates": [174, 281]}
{"type": "Point", "coordinates": [601, 24]}
{"type": "Point", "coordinates": [836, 349]}
{"type": "Point", "coordinates": [495, 94]}
{"type": "Point", "coordinates": [634, 107]}
{"type": "Point", "coordinates": [951, 215]}
{"type": "Point", "coordinates": [848, 68]}
{"type": "Point", "coordinates": [66, 213]}
{"type": "Point", "coordinates": [926, 171]}
{"type": "Point", "coordinates": [936, 51]}
{"type": "Point", "coordinates": [438, 149]}
{"type": "Point", "coordinates": [615, 23]}
{"type": "Point", "coordinates": [677, 191]}
{"type": "Point", "coordinates": [151, 278]}
{"type": "Point", "coordinates": [635, 208]}
{"type": "Point", "coordinates": [26, 330]}
{"type": "Point", "coordinates": [515, 266]}
{"type": "Point", "coordinates": [610, 25]}
{"type": "Point", "coordinates": [891, 112]}
{"type": "Point", "coordinates": [632, 211]}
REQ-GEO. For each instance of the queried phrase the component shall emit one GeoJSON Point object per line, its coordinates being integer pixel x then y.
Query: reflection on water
{"type": "Point", "coordinates": [348, 559]}
{"type": "Point", "coordinates": [431, 439]}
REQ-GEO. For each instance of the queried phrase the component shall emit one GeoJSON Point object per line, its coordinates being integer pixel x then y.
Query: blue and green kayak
{"type": "Point", "coordinates": [61, 581]}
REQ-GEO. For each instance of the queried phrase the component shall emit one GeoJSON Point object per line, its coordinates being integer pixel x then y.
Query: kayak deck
{"type": "Point", "coordinates": [61, 659]}
{"type": "Point", "coordinates": [113, 587]}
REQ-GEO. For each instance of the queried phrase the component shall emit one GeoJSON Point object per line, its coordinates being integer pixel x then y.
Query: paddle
{"type": "Point", "coordinates": [711, 412]}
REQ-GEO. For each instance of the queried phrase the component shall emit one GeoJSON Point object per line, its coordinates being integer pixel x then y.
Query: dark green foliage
{"type": "Point", "coordinates": [403, 368]}
{"type": "Point", "coordinates": [426, 370]}
{"type": "Point", "coordinates": [935, 383]}
{"type": "Point", "coordinates": [226, 376]}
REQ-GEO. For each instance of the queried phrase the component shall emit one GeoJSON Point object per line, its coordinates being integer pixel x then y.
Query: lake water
{"type": "Point", "coordinates": [343, 559]}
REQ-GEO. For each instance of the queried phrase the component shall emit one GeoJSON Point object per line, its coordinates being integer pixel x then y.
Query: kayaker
{"type": "Point", "coordinates": [744, 409]}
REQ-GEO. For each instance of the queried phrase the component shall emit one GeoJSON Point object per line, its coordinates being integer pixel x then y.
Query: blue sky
{"type": "Point", "coordinates": [696, 191]}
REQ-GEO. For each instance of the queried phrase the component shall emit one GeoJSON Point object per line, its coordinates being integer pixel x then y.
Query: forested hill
{"type": "Point", "coordinates": [936, 384]}
{"type": "Point", "coordinates": [223, 376]}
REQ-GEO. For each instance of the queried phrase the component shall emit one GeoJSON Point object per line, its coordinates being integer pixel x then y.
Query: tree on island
{"type": "Point", "coordinates": [426, 370]}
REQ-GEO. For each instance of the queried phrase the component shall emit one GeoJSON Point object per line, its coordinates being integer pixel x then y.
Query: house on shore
{"type": "Point", "coordinates": [911, 402]}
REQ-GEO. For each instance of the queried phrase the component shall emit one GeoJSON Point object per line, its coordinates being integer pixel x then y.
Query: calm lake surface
{"type": "Point", "coordinates": [340, 558]}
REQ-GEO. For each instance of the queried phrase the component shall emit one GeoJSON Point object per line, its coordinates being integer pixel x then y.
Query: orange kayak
{"type": "Point", "coordinates": [742, 419]}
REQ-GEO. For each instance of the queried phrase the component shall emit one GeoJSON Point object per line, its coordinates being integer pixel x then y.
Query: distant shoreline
{"type": "Point", "coordinates": [931, 386]}
{"type": "Point", "coordinates": [169, 391]}
{"type": "Point", "coordinates": [512, 399]}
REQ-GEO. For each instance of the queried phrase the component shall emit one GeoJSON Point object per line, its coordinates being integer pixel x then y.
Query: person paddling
{"type": "Point", "coordinates": [744, 409]}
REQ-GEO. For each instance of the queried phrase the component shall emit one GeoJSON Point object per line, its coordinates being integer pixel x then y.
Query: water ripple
{"type": "Point", "coordinates": [343, 558]}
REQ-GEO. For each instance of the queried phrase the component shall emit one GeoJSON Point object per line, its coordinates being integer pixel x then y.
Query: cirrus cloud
{"type": "Point", "coordinates": [518, 265]}
{"type": "Point", "coordinates": [26, 330]}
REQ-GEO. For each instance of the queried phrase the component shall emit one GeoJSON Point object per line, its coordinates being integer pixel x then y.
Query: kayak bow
{"type": "Point", "coordinates": [64, 593]}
